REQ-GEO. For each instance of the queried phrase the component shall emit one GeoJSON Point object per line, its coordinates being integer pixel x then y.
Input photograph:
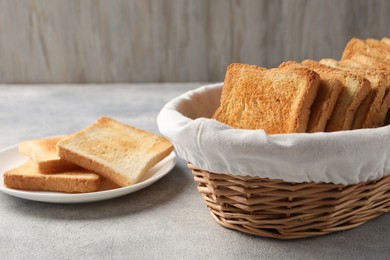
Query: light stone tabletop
{"type": "Point", "coordinates": [167, 220]}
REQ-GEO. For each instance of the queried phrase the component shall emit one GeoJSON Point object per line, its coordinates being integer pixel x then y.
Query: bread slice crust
{"type": "Point", "coordinates": [368, 114]}
{"type": "Point", "coordinates": [369, 48]}
{"type": "Point", "coordinates": [325, 101]}
{"type": "Point", "coordinates": [386, 40]}
{"type": "Point", "coordinates": [366, 62]}
{"type": "Point", "coordinates": [119, 152]}
{"type": "Point", "coordinates": [355, 89]}
{"type": "Point", "coordinates": [43, 153]}
{"type": "Point", "coordinates": [276, 100]}
{"type": "Point", "coordinates": [26, 177]}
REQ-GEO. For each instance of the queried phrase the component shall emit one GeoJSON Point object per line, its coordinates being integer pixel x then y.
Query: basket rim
{"type": "Point", "coordinates": [343, 157]}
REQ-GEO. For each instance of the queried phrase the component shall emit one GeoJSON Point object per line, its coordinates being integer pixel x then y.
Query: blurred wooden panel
{"type": "Point", "coordinates": [89, 41]}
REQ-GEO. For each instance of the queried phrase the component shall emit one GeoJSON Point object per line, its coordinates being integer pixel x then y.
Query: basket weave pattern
{"type": "Point", "coordinates": [284, 210]}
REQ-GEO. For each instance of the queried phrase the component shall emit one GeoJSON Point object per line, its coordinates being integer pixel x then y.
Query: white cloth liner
{"type": "Point", "coordinates": [344, 157]}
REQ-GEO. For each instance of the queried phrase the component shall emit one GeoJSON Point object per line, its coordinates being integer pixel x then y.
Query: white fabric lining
{"type": "Point", "coordinates": [344, 157]}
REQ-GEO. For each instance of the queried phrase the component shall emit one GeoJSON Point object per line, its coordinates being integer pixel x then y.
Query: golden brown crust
{"type": "Point", "coordinates": [350, 48]}
{"type": "Point", "coordinates": [355, 89]}
{"type": "Point", "coordinates": [41, 149]}
{"type": "Point", "coordinates": [368, 114]}
{"type": "Point", "coordinates": [373, 63]}
{"type": "Point", "coordinates": [330, 62]}
{"type": "Point", "coordinates": [379, 49]}
{"type": "Point", "coordinates": [105, 171]}
{"type": "Point", "coordinates": [384, 113]}
{"type": "Point", "coordinates": [119, 152]}
{"type": "Point", "coordinates": [370, 52]}
{"type": "Point", "coordinates": [55, 166]}
{"type": "Point", "coordinates": [228, 89]}
{"type": "Point", "coordinates": [324, 103]}
{"type": "Point", "coordinates": [386, 40]}
{"type": "Point", "coordinates": [25, 177]}
{"type": "Point", "coordinates": [370, 48]}
{"type": "Point", "coordinates": [43, 153]}
{"type": "Point", "coordinates": [276, 100]}
{"type": "Point", "coordinates": [307, 98]}
{"type": "Point", "coordinates": [363, 74]}
{"type": "Point", "coordinates": [370, 61]}
{"type": "Point", "coordinates": [352, 64]}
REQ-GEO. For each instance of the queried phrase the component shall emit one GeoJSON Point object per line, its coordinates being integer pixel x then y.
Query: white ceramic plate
{"type": "Point", "coordinates": [10, 158]}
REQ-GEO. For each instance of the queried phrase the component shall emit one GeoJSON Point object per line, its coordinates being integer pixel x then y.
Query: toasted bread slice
{"type": "Point", "coordinates": [386, 40]}
{"type": "Point", "coordinates": [355, 89]}
{"type": "Point", "coordinates": [373, 110]}
{"type": "Point", "coordinates": [352, 64]}
{"type": "Point", "coordinates": [119, 152]}
{"type": "Point", "coordinates": [324, 104]}
{"type": "Point", "coordinates": [26, 177]}
{"type": "Point", "coordinates": [330, 62]}
{"type": "Point", "coordinates": [367, 115]}
{"type": "Point", "coordinates": [355, 47]}
{"type": "Point", "coordinates": [370, 47]}
{"type": "Point", "coordinates": [385, 111]}
{"type": "Point", "coordinates": [368, 61]}
{"type": "Point", "coordinates": [373, 64]}
{"type": "Point", "coordinates": [365, 62]}
{"type": "Point", "coordinates": [43, 153]}
{"type": "Point", "coordinates": [370, 53]}
{"type": "Point", "coordinates": [325, 101]}
{"type": "Point", "coordinates": [276, 100]}
{"type": "Point", "coordinates": [380, 47]}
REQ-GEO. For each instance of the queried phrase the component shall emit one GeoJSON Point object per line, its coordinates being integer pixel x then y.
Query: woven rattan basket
{"type": "Point", "coordinates": [301, 185]}
{"type": "Point", "coordinates": [284, 210]}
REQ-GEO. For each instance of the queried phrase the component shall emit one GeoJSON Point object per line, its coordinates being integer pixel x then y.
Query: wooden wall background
{"type": "Point", "coordinates": [78, 41]}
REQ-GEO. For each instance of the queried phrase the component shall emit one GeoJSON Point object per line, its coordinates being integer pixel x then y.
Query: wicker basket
{"type": "Point", "coordinates": [284, 210]}
{"type": "Point", "coordinates": [321, 198]}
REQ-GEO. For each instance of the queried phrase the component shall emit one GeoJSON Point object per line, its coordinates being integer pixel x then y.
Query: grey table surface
{"type": "Point", "coordinates": [167, 220]}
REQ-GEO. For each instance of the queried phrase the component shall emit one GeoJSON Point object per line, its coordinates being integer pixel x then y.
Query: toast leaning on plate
{"type": "Point", "coordinates": [276, 100]}
{"type": "Point", "coordinates": [118, 152]}
{"type": "Point", "coordinates": [26, 177]}
{"type": "Point", "coordinates": [43, 153]}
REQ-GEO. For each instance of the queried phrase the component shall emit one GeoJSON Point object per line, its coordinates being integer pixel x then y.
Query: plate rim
{"type": "Point", "coordinates": [50, 196]}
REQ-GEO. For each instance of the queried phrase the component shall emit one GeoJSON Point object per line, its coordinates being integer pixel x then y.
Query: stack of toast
{"type": "Point", "coordinates": [311, 96]}
{"type": "Point", "coordinates": [106, 150]}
